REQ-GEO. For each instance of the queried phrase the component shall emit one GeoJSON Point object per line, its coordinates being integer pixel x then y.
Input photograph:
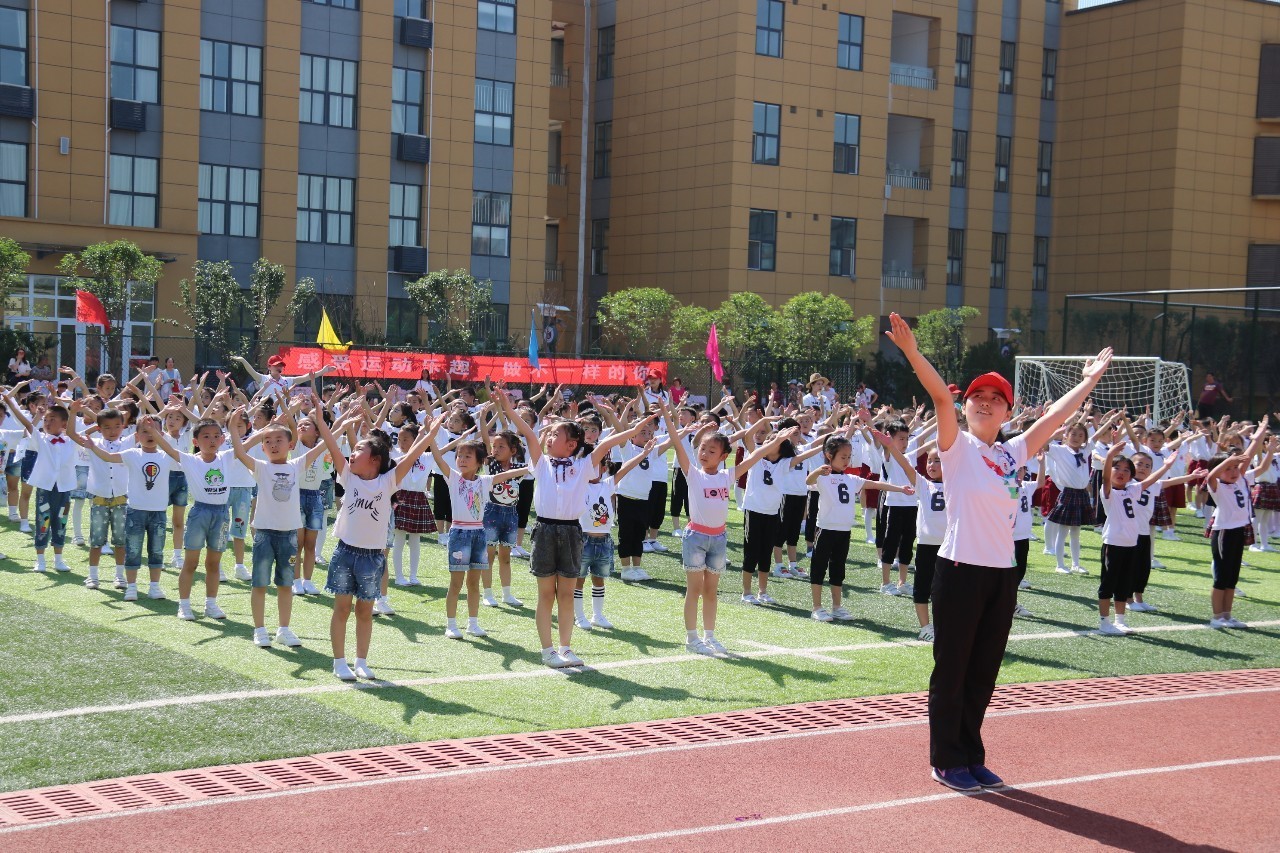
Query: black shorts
{"type": "Point", "coordinates": [679, 495]}
{"type": "Point", "coordinates": [657, 504]}
{"type": "Point", "coordinates": [440, 491]}
{"type": "Point", "coordinates": [899, 534]}
{"type": "Point", "coordinates": [926, 559]}
{"type": "Point", "coordinates": [1118, 563]}
{"type": "Point", "coordinates": [525, 503]}
{"type": "Point", "coordinates": [1228, 554]}
{"type": "Point", "coordinates": [556, 549]}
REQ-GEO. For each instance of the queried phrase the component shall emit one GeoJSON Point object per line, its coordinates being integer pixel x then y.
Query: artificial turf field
{"type": "Point", "coordinates": [79, 663]}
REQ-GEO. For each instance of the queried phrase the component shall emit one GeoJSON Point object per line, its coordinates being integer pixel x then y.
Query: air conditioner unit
{"type": "Point", "coordinates": [128, 115]}
{"type": "Point", "coordinates": [416, 32]}
{"type": "Point", "coordinates": [17, 101]}
{"type": "Point", "coordinates": [413, 148]}
{"type": "Point", "coordinates": [409, 259]}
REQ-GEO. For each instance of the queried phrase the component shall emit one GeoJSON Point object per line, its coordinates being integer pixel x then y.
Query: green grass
{"type": "Point", "coordinates": [67, 647]}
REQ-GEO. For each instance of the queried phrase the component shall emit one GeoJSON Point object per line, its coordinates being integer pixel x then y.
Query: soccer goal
{"type": "Point", "coordinates": [1129, 383]}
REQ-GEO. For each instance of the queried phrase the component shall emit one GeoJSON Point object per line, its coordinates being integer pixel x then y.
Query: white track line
{"type": "Point", "coordinates": [336, 687]}
{"type": "Point", "coordinates": [800, 653]}
{"type": "Point", "coordinates": [891, 804]}
{"type": "Point", "coordinates": [614, 756]}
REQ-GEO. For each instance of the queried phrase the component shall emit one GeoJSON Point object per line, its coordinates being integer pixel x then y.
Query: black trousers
{"type": "Point", "coordinates": [830, 554]}
{"type": "Point", "coordinates": [972, 614]}
{"type": "Point", "coordinates": [811, 519]}
{"type": "Point", "coordinates": [1020, 549]}
{"type": "Point", "coordinates": [792, 515]}
{"type": "Point", "coordinates": [679, 495]}
{"type": "Point", "coordinates": [1142, 564]}
{"type": "Point", "coordinates": [657, 505]}
{"type": "Point", "coordinates": [758, 535]}
{"type": "Point", "coordinates": [926, 561]}
{"type": "Point", "coordinates": [899, 534]}
{"type": "Point", "coordinates": [1228, 553]}
{"type": "Point", "coordinates": [633, 525]}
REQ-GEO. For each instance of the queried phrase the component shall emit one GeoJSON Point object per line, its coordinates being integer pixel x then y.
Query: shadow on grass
{"type": "Point", "coordinates": [777, 671]}
{"type": "Point", "coordinates": [626, 691]}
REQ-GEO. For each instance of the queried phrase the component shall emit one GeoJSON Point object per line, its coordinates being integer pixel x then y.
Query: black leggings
{"type": "Point", "coordinates": [811, 519]}
{"type": "Point", "coordinates": [1142, 565]}
{"type": "Point", "coordinates": [1118, 563]}
{"type": "Point", "coordinates": [679, 495]}
{"type": "Point", "coordinates": [633, 526]}
{"type": "Point", "coordinates": [1228, 554]}
{"type": "Point", "coordinates": [1020, 548]}
{"type": "Point", "coordinates": [830, 553]}
{"type": "Point", "coordinates": [792, 515]}
{"type": "Point", "coordinates": [759, 533]}
{"type": "Point", "coordinates": [926, 559]}
{"type": "Point", "coordinates": [899, 534]}
{"type": "Point", "coordinates": [657, 504]}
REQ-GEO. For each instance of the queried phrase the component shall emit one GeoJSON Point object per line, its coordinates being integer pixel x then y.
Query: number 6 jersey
{"type": "Point", "coordinates": [931, 520]}
{"type": "Point", "coordinates": [1122, 527]}
{"type": "Point", "coordinates": [837, 497]}
{"type": "Point", "coordinates": [1233, 506]}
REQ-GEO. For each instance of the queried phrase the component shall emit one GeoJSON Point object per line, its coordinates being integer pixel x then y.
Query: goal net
{"type": "Point", "coordinates": [1129, 383]}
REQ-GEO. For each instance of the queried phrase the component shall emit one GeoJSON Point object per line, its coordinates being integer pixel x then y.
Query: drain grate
{"type": "Point", "coordinates": [25, 808]}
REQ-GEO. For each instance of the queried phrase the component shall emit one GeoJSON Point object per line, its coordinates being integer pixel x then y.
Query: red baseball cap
{"type": "Point", "coordinates": [275, 361]}
{"type": "Point", "coordinates": [992, 380]}
{"type": "Point", "coordinates": [953, 388]}
{"type": "Point", "coordinates": [654, 373]}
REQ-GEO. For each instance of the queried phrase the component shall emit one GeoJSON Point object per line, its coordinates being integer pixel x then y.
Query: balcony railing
{"type": "Point", "coordinates": [554, 273]}
{"type": "Point", "coordinates": [560, 77]}
{"type": "Point", "coordinates": [913, 76]}
{"type": "Point", "coordinates": [558, 176]}
{"type": "Point", "coordinates": [910, 179]}
{"type": "Point", "coordinates": [899, 279]}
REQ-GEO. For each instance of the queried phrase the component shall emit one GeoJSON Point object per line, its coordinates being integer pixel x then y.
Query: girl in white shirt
{"type": "Point", "coordinates": [761, 505]}
{"type": "Point", "coordinates": [1266, 509]}
{"type": "Point", "coordinates": [931, 528]}
{"type": "Point", "coordinates": [1145, 508]}
{"type": "Point", "coordinates": [413, 515]}
{"type": "Point", "coordinates": [1229, 484]}
{"type": "Point", "coordinates": [975, 580]}
{"type": "Point", "coordinates": [1119, 493]}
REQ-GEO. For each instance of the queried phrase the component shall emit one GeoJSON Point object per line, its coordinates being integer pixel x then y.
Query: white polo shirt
{"type": "Point", "coordinates": [982, 491]}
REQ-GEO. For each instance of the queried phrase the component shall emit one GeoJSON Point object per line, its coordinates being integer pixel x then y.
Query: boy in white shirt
{"type": "Point", "coordinates": [53, 477]}
{"type": "Point", "coordinates": [108, 488]}
{"type": "Point", "coordinates": [1230, 483]}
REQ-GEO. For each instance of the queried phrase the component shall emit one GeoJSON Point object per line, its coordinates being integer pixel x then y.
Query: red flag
{"type": "Point", "coordinates": [713, 354]}
{"type": "Point", "coordinates": [89, 310]}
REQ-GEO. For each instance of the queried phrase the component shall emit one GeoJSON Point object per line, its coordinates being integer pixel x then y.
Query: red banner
{"type": "Point", "coordinates": [373, 364]}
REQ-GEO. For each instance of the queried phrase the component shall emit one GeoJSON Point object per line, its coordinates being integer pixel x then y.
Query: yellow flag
{"type": "Point", "coordinates": [328, 337]}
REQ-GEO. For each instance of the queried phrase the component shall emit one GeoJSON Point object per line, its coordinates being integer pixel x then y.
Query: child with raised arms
{"type": "Point", "coordinates": [501, 514]}
{"type": "Point", "coordinates": [413, 515]}
{"type": "Point", "coordinates": [53, 476]}
{"type": "Point", "coordinates": [1069, 467]}
{"type": "Point", "coordinates": [108, 488]}
{"type": "Point", "coordinates": [1145, 508]}
{"type": "Point", "coordinates": [762, 505]}
{"type": "Point", "coordinates": [1229, 484]}
{"type": "Point", "coordinates": [597, 541]}
{"type": "Point", "coordinates": [1118, 495]}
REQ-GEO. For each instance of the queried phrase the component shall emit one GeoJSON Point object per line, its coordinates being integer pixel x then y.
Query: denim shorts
{"type": "Point", "coordinates": [81, 490]}
{"type": "Point", "coordinates": [274, 549]}
{"type": "Point", "coordinates": [326, 492]}
{"type": "Point", "coordinates": [500, 524]}
{"type": "Point", "coordinates": [312, 509]}
{"type": "Point", "coordinates": [597, 556]}
{"type": "Point", "coordinates": [177, 488]}
{"type": "Point", "coordinates": [239, 499]}
{"type": "Point", "coordinates": [700, 551]}
{"type": "Point", "coordinates": [467, 549]}
{"type": "Point", "coordinates": [12, 465]}
{"type": "Point", "coordinates": [148, 523]}
{"type": "Point", "coordinates": [206, 528]}
{"type": "Point", "coordinates": [102, 518]}
{"type": "Point", "coordinates": [356, 571]}
{"type": "Point", "coordinates": [28, 464]}
{"type": "Point", "coordinates": [557, 550]}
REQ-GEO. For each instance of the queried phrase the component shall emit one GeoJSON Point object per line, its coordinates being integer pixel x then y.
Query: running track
{"type": "Point", "coordinates": [1192, 769]}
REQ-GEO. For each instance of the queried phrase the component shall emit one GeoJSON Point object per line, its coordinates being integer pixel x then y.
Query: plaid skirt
{"type": "Point", "coordinates": [1073, 509]}
{"type": "Point", "coordinates": [1175, 496]}
{"type": "Point", "coordinates": [413, 512]}
{"type": "Point", "coordinates": [1249, 538]}
{"type": "Point", "coordinates": [1047, 496]}
{"type": "Point", "coordinates": [1266, 496]}
{"type": "Point", "coordinates": [1160, 516]}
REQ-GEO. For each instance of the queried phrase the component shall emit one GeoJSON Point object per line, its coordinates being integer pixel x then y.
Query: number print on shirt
{"type": "Point", "coordinates": [938, 502]}
{"type": "Point", "coordinates": [643, 464]}
{"type": "Point", "coordinates": [842, 492]}
{"type": "Point", "coordinates": [768, 477]}
{"type": "Point", "coordinates": [1024, 507]}
{"type": "Point", "coordinates": [1145, 499]}
{"type": "Point", "coordinates": [1240, 499]}
{"type": "Point", "coordinates": [1128, 507]}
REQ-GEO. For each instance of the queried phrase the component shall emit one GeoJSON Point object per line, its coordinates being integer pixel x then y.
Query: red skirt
{"type": "Point", "coordinates": [1047, 497]}
{"type": "Point", "coordinates": [413, 512]}
{"type": "Point", "coordinates": [870, 497]}
{"type": "Point", "coordinates": [1160, 516]}
{"type": "Point", "coordinates": [738, 456]}
{"type": "Point", "coordinates": [1266, 496]}
{"type": "Point", "coordinates": [1175, 497]}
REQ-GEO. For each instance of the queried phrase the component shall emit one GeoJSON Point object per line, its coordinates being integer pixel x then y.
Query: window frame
{"type": "Point", "coordinates": [1040, 264]}
{"type": "Point", "coordinates": [760, 138]}
{"type": "Point", "coordinates": [774, 37]}
{"type": "Point", "coordinates": [757, 218]}
{"type": "Point", "coordinates": [17, 54]}
{"type": "Point", "coordinates": [402, 107]}
{"type": "Point", "coordinates": [1008, 66]}
{"type": "Point", "coordinates": [329, 216]}
{"type": "Point", "coordinates": [485, 207]}
{"type": "Point", "coordinates": [600, 246]}
{"type": "Point", "coordinates": [1044, 169]}
{"type": "Point", "coordinates": [6, 181]}
{"type": "Point", "coordinates": [845, 150]}
{"type": "Point", "coordinates": [606, 46]}
{"type": "Point", "coordinates": [133, 194]}
{"type": "Point", "coordinates": [496, 5]}
{"type": "Point", "coordinates": [208, 200]}
{"type": "Point", "coordinates": [955, 257]}
{"type": "Point", "coordinates": [338, 4]}
{"type": "Point", "coordinates": [999, 260]}
{"type": "Point", "coordinates": [132, 67]}
{"type": "Point", "coordinates": [959, 158]}
{"type": "Point", "coordinates": [845, 47]}
{"type": "Point", "coordinates": [964, 60]}
{"type": "Point", "coordinates": [408, 219]}
{"type": "Point", "coordinates": [494, 126]}
{"type": "Point", "coordinates": [1003, 163]}
{"type": "Point", "coordinates": [331, 100]}
{"type": "Point", "coordinates": [845, 227]}
{"type": "Point", "coordinates": [1049, 74]}
{"type": "Point", "coordinates": [210, 78]}
{"type": "Point", "coordinates": [602, 150]}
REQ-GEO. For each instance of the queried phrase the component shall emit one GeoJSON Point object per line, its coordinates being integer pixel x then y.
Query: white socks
{"type": "Point", "coordinates": [868, 522]}
{"type": "Point", "coordinates": [77, 515]}
{"type": "Point", "coordinates": [321, 535]}
{"type": "Point", "coordinates": [577, 604]}
{"type": "Point", "coordinates": [1051, 539]}
{"type": "Point", "coordinates": [597, 601]}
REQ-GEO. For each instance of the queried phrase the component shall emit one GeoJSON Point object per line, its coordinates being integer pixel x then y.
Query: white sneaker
{"type": "Point", "coordinates": [582, 622]}
{"type": "Point", "coordinates": [452, 633]}
{"type": "Point", "coordinates": [297, 587]}
{"type": "Point", "coordinates": [286, 637]}
{"type": "Point", "coordinates": [60, 565]}
{"type": "Point", "coordinates": [130, 593]}
{"type": "Point", "coordinates": [1123, 626]}
{"type": "Point", "coordinates": [363, 670]}
{"type": "Point", "coordinates": [1215, 622]}
{"type": "Point", "coordinates": [222, 576]}
{"type": "Point", "coordinates": [90, 583]}
{"type": "Point", "coordinates": [1255, 547]}
{"type": "Point", "coordinates": [120, 583]}
{"type": "Point", "coordinates": [474, 629]}
{"type": "Point", "coordinates": [678, 533]}
{"type": "Point", "coordinates": [311, 589]}
{"type": "Point", "coordinates": [1170, 534]}
{"type": "Point", "coordinates": [24, 527]}
{"type": "Point", "coordinates": [79, 540]}
{"type": "Point", "coordinates": [382, 607]}
{"type": "Point", "coordinates": [655, 545]}
{"type": "Point", "coordinates": [242, 573]}
{"type": "Point", "coordinates": [517, 551]}
{"type": "Point", "coordinates": [871, 540]}
{"type": "Point", "coordinates": [488, 600]}
{"type": "Point", "coordinates": [508, 598]}
{"type": "Point", "coordinates": [155, 593]}
{"type": "Point", "coordinates": [600, 621]}
{"type": "Point", "coordinates": [1079, 570]}
{"type": "Point", "coordinates": [926, 633]}
{"type": "Point", "coordinates": [842, 614]}
{"type": "Point", "coordinates": [1239, 593]}
{"type": "Point", "coordinates": [1062, 570]}
{"type": "Point", "coordinates": [765, 598]}
{"type": "Point", "coordinates": [1139, 607]}
{"type": "Point", "coordinates": [1019, 610]}
{"type": "Point", "coordinates": [698, 647]}
{"type": "Point", "coordinates": [1049, 552]}
{"type": "Point", "coordinates": [638, 574]}
{"type": "Point", "coordinates": [550, 657]}
{"type": "Point", "coordinates": [780, 572]}
{"type": "Point", "coordinates": [569, 658]}
{"type": "Point", "coordinates": [213, 611]}
{"type": "Point", "coordinates": [400, 582]}
{"type": "Point", "coordinates": [184, 612]}
{"type": "Point", "coordinates": [1024, 584]}
{"type": "Point", "coordinates": [177, 559]}
{"type": "Point", "coordinates": [1233, 622]}
{"type": "Point", "coordinates": [323, 560]}
{"type": "Point", "coordinates": [748, 598]}
{"type": "Point", "coordinates": [647, 547]}
{"type": "Point", "coordinates": [890, 589]}
{"type": "Point", "coordinates": [343, 671]}
{"type": "Point", "coordinates": [715, 645]}
{"type": "Point", "coordinates": [906, 589]}
{"type": "Point", "coordinates": [820, 615]}
{"type": "Point", "coordinates": [1108, 628]}
{"type": "Point", "coordinates": [40, 566]}
{"type": "Point", "coordinates": [1156, 564]}
{"type": "Point", "coordinates": [799, 573]}
{"type": "Point", "coordinates": [261, 638]}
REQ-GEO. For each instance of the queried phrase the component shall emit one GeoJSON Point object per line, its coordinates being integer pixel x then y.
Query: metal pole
{"type": "Point", "coordinates": [1164, 326]}
{"type": "Point", "coordinates": [1066, 315]}
{"type": "Point", "coordinates": [1129, 351]}
{"type": "Point", "coordinates": [1253, 347]}
{"type": "Point", "coordinates": [1191, 344]}
{"type": "Point", "coordinates": [580, 332]}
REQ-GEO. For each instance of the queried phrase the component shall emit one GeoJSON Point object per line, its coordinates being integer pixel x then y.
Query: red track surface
{"type": "Point", "coordinates": [814, 790]}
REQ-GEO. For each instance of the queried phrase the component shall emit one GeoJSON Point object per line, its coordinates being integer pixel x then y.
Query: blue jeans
{"type": "Point", "coordinates": [312, 509]}
{"type": "Point", "coordinates": [104, 518]}
{"type": "Point", "coordinates": [206, 528]}
{"type": "Point", "coordinates": [326, 492]}
{"type": "Point", "coordinates": [239, 499]}
{"type": "Point", "coordinates": [13, 465]}
{"type": "Point", "coordinates": [82, 482]}
{"type": "Point", "coordinates": [500, 524]}
{"type": "Point", "coordinates": [356, 571]}
{"type": "Point", "coordinates": [51, 517]}
{"type": "Point", "coordinates": [467, 549]}
{"type": "Point", "coordinates": [138, 522]}
{"type": "Point", "coordinates": [177, 488]}
{"type": "Point", "coordinates": [700, 551]}
{"type": "Point", "coordinates": [597, 556]}
{"type": "Point", "coordinates": [28, 465]}
{"type": "Point", "coordinates": [274, 549]}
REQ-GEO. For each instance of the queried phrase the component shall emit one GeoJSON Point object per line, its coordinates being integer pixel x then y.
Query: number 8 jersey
{"type": "Point", "coordinates": [1122, 527]}
{"type": "Point", "coordinates": [837, 498]}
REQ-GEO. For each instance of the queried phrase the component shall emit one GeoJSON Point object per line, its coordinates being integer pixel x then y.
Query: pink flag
{"type": "Point", "coordinates": [713, 354]}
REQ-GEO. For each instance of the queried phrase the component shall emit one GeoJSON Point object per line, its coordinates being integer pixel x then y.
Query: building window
{"type": "Point", "coordinates": [1262, 269]}
{"type": "Point", "coordinates": [337, 4]}
{"type": "Point", "coordinates": [409, 8]}
{"type": "Point", "coordinates": [1266, 166]}
{"type": "Point", "coordinates": [133, 191]}
{"type": "Point", "coordinates": [135, 64]}
{"type": "Point", "coordinates": [955, 256]}
{"type": "Point", "coordinates": [964, 60]}
{"type": "Point", "coordinates": [999, 252]}
{"type": "Point", "coordinates": [1048, 74]}
{"type": "Point", "coordinates": [13, 47]}
{"type": "Point", "coordinates": [1044, 168]}
{"type": "Point", "coordinates": [765, 130]}
{"type": "Point", "coordinates": [844, 243]}
{"type": "Point", "coordinates": [230, 78]}
{"type": "Point", "coordinates": [406, 101]}
{"type": "Point", "coordinates": [497, 15]}
{"type": "Point", "coordinates": [769, 16]}
{"type": "Point", "coordinates": [406, 213]}
{"type": "Point", "coordinates": [599, 247]}
{"type": "Point", "coordinates": [603, 150]}
{"type": "Point", "coordinates": [1040, 268]}
{"type": "Point", "coordinates": [494, 111]}
{"type": "Point", "coordinates": [328, 92]}
{"type": "Point", "coordinates": [604, 54]}
{"type": "Point", "coordinates": [848, 137]}
{"type": "Point", "coordinates": [959, 158]}
{"type": "Point", "coordinates": [1004, 153]}
{"type": "Point", "coordinates": [1008, 55]}
{"type": "Point", "coordinates": [13, 179]}
{"type": "Point", "coordinates": [325, 206]}
{"type": "Point", "coordinates": [1269, 81]}
{"type": "Point", "coordinates": [491, 224]}
{"type": "Point", "coordinates": [849, 44]}
{"type": "Point", "coordinates": [228, 202]}
{"type": "Point", "coordinates": [402, 322]}
{"type": "Point", "coordinates": [762, 239]}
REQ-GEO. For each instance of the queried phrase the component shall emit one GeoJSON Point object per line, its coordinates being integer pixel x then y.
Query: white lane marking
{"type": "Point", "coordinates": [800, 653]}
{"type": "Point", "coordinates": [428, 776]}
{"type": "Point", "coordinates": [480, 677]}
{"type": "Point", "coordinates": [905, 801]}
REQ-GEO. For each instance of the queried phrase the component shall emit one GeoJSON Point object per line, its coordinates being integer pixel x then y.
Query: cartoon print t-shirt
{"type": "Point", "coordinates": [366, 509]}
{"type": "Point", "coordinates": [207, 481]}
{"type": "Point", "coordinates": [279, 507]}
{"type": "Point", "coordinates": [148, 478]}
{"type": "Point", "coordinates": [598, 516]}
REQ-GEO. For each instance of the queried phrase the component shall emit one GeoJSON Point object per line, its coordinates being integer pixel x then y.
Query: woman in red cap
{"type": "Point", "coordinates": [275, 383]}
{"type": "Point", "coordinates": [975, 580]}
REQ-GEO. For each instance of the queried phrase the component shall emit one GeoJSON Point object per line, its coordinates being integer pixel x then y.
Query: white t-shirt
{"type": "Point", "coordinates": [820, 400]}
{"type": "Point", "coordinates": [238, 476]}
{"type": "Point", "coordinates": [9, 439]}
{"type": "Point", "coordinates": [366, 509]}
{"type": "Point", "coordinates": [898, 477]}
{"type": "Point", "coordinates": [109, 479]}
{"type": "Point", "coordinates": [467, 498]}
{"type": "Point", "coordinates": [313, 473]}
{"type": "Point", "coordinates": [982, 491]}
{"type": "Point", "coordinates": [639, 480]}
{"type": "Point", "coordinates": [560, 489]}
{"type": "Point", "coordinates": [764, 487]}
{"type": "Point", "coordinates": [279, 506]}
{"type": "Point", "coordinates": [1069, 468]}
{"type": "Point", "coordinates": [1022, 524]}
{"type": "Point", "coordinates": [793, 477]}
{"type": "Point", "coordinates": [598, 516]}
{"type": "Point", "coordinates": [207, 481]}
{"type": "Point", "coordinates": [837, 500]}
{"type": "Point", "coordinates": [931, 517]}
{"type": "Point", "coordinates": [424, 386]}
{"type": "Point", "coordinates": [1234, 508]}
{"type": "Point", "coordinates": [862, 399]}
{"type": "Point", "coordinates": [148, 478]}
{"type": "Point", "coordinates": [708, 497]}
{"type": "Point", "coordinates": [1145, 506]}
{"type": "Point", "coordinates": [1121, 527]}
{"type": "Point", "coordinates": [415, 479]}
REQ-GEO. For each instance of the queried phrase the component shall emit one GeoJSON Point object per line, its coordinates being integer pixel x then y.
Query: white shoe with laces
{"type": "Point", "coordinates": [890, 589]}
{"type": "Point", "coordinates": [79, 540]}
{"type": "Point", "coordinates": [1233, 622]}
{"type": "Point", "coordinates": [748, 598]}
{"type": "Point", "coordinates": [1122, 625]}
{"type": "Point", "coordinates": [474, 629]}
{"type": "Point", "coordinates": [1062, 570]}
{"type": "Point", "coordinates": [779, 571]}
{"type": "Point", "coordinates": [451, 632]}
{"type": "Point", "coordinates": [508, 598]}
{"type": "Point", "coordinates": [343, 671]}
{"type": "Point", "coordinates": [841, 614]}
{"type": "Point", "coordinates": [382, 607]}
{"type": "Point", "coordinates": [155, 593]}
{"type": "Point", "coordinates": [261, 638]}
{"type": "Point", "coordinates": [765, 598]}
{"type": "Point", "coordinates": [286, 637]}
{"type": "Point", "coordinates": [820, 615]}
{"type": "Point", "coordinates": [1107, 628]}
{"type": "Point", "coordinates": [551, 658]}
{"type": "Point", "coordinates": [639, 574]}
{"type": "Point", "coordinates": [130, 593]}
{"type": "Point", "coordinates": [1079, 570]}
{"type": "Point", "coordinates": [583, 622]}
{"type": "Point", "coordinates": [655, 545]}
{"type": "Point", "coordinates": [569, 658]}
{"type": "Point", "coordinates": [906, 589]}
{"type": "Point", "coordinates": [213, 611]}
{"type": "Point", "coordinates": [1156, 564]}
{"type": "Point", "coordinates": [60, 564]}
{"type": "Point", "coordinates": [517, 551]}
{"type": "Point", "coordinates": [1019, 610]}
{"type": "Point", "coordinates": [647, 547]}
{"type": "Point", "coordinates": [488, 600]}
{"type": "Point", "coordinates": [1215, 622]}
{"type": "Point", "coordinates": [599, 621]}
{"type": "Point", "coordinates": [184, 613]}
{"type": "Point", "coordinates": [698, 647]}
{"type": "Point", "coordinates": [311, 589]}
{"type": "Point", "coordinates": [91, 583]}
{"type": "Point", "coordinates": [242, 573]}
{"type": "Point", "coordinates": [298, 588]}
{"type": "Point", "coordinates": [926, 633]}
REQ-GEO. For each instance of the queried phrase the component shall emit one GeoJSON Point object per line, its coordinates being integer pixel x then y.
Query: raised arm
{"type": "Point", "coordinates": [948, 427]}
{"type": "Point", "coordinates": [1158, 474]}
{"type": "Point", "coordinates": [424, 441]}
{"type": "Point", "coordinates": [630, 464]}
{"type": "Point", "coordinates": [1038, 433]}
{"type": "Point", "coordinates": [532, 443]}
{"type": "Point", "coordinates": [1107, 465]}
{"type": "Point", "coordinates": [238, 447]}
{"type": "Point", "coordinates": [903, 462]}
{"type": "Point", "coordinates": [763, 450]}
{"type": "Point", "coordinates": [248, 368]}
{"type": "Point", "coordinates": [436, 453]}
{"type": "Point", "coordinates": [682, 453]}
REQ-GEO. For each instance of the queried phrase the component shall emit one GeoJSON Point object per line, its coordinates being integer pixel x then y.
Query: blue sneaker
{"type": "Point", "coordinates": [957, 778]}
{"type": "Point", "coordinates": [985, 777]}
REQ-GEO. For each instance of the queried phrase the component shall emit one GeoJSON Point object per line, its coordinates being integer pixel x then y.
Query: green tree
{"type": "Point", "coordinates": [115, 272]}
{"type": "Point", "coordinates": [943, 338]}
{"type": "Point", "coordinates": [638, 320]}
{"type": "Point", "coordinates": [13, 266]}
{"type": "Point", "coordinates": [821, 328]}
{"type": "Point", "coordinates": [689, 327]}
{"type": "Point", "coordinates": [455, 303]}
{"type": "Point", "coordinates": [746, 325]}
